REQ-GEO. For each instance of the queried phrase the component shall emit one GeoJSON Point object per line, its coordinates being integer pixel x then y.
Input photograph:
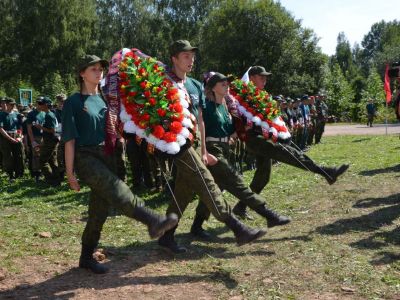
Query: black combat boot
{"type": "Point", "coordinates": [87, 261]}
{"type": "Point", "coordinates": [243, 234]}
{"type": "Point", "coordinates": [273, 218]}
{"type": "Point", "coordinates": [156, 224]}
{"type": "Point", "coordinates": [197, 229]}
{"type": "Point", "coordinates": [331, 174]}
{"type": "Point", "coordinates": [167, 241]}
{"type": "Point", "coordinates": [240, 210]}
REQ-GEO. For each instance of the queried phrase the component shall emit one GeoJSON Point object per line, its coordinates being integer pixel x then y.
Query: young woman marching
{"type": "Point", "coordinates": [83, 120]}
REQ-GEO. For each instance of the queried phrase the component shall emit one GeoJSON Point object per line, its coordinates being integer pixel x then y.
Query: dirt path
{"type": "Point", "coordinates": [361, 129]}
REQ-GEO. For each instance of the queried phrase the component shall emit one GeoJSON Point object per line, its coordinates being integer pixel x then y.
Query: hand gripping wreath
{"type": "Point", "coordinates": [152, 107]}
{"type": "Point", "coordinates": [257, 107]}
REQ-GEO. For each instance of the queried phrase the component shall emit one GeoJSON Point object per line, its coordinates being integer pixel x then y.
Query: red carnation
{"type": "Point", "coordinates": [152, 101]}
{"type": "Point", "coordinates": [169, 137]}
{"type": "Point", "coordinates": [161, 112]}
{"type": "Point", "coordinates": [123, 75]}
{"type": "Point", "coordinates": [137, 62]}
{"type": "Point", "coordinates": [147, 94]}
{"type": "Point", "coordinates": [175, 127]}
{"type": "Point", "coordinates": [132, 94]}
{"type": "Point", "coordinates": [143, 84]}
{"type": "Point", "coordinates": [165, 82]}
{"type": "Point", "coordinates": [145, 117]}
{"type": "Point", "coordinates": [177, 117]}
{"type": "Point", "coordinates": [158, 131]}
{"type": "Point", "coordinates": [176, 107]}
{"type": "Point", "coordinates": [172, 94]}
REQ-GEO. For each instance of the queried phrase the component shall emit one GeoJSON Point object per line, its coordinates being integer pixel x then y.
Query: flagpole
{"type": "Point", "coordinates": [386, 118]}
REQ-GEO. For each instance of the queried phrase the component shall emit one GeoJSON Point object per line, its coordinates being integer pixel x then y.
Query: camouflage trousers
{"type": "Point", "coordinates": [12, 157]}
{"type": "Point", "coordinates": [265, 150]}
{"type": "Point", "coordinates": [193, 177]}
{"type": "Point", "coordinates": [107, 190]}
{"type": "Point", "coordinates": [35, 155]}
{"type": "Point", "coordinates": [228, 179]}
{"type": "Point", "coordinates": [319, 130]}
{"type": "Point", "coordinates": [48, 159]}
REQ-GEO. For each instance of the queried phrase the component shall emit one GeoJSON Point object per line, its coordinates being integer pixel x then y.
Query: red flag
{"type": "Point", "coordinates": [387, 85]}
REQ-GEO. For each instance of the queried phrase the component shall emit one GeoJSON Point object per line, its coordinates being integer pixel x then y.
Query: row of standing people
{"type": "Point", "coordinates": [30, 138]}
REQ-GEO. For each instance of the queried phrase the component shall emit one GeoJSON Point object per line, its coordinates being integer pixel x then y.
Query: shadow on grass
{"type": "Point", "coordinates": [371, 223]}
{"type": "Point", "coordinates": [125, 261]}
{"type": "Point", "coordinates": [361, 140]}
{"type": "Point", "coordinates": [385, 257]}
{"type": "Point", "coordinates": [366, 223]}
{"type": "Point", "coordinates": [392, 169]}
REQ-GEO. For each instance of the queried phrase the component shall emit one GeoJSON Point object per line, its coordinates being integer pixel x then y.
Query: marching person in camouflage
{"type": "Point", "coordinates": [83, 119]}
{"type": "Point", "coordinates": [219, 133]}
{"type": "Point", "coordinates": [192, 175]}
{"type": "Point", "coordinates": [265, 150]}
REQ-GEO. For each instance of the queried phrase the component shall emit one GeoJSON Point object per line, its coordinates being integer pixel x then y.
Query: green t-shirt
{"type": "Point", "coordinates": [35, 117]}
{"type": "Point", "coordinates": [83, 119]}
{"type": "Point", "coordinates": [217, 121]}
{"type": "Point", "coordinates": [50, 122]}
{"type": "Point", "coordinates": [9, 121]}
{"type": "Point", "coordinates": [196, 93]}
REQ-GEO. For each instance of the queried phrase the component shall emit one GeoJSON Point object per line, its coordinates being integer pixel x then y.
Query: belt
{"type": "Point", "coordinates": [214, 139]}
{"type": "Point", "coordinates": [13, 134]}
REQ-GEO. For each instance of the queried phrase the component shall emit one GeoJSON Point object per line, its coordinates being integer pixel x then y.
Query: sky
{"type": "Point", "coordinates": [353, 17]}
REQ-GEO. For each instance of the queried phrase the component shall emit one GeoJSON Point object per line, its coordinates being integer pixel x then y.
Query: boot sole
{"type": "Point", "coordinates": [258, 235]}
{"type": "Point", "coordinates": [340, 171]}
{"type": "Point", "coordinates": [170, 251]}
{"type": "Point", "coordinates": [278, 224]}
{"type": "Point", "coordinates": [168, 224]}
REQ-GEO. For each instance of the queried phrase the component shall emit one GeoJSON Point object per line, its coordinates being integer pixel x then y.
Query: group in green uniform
{"type": "Point", "coordinates": [11, 147]}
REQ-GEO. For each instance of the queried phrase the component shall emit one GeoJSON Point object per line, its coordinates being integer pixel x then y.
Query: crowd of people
{"type": "Point", "coordinates": [67, 139]}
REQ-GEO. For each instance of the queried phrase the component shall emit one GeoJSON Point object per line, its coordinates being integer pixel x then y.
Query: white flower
{"type": "Point", "coordinates": [256, 120]}
{"type": "Point", "coordinates": [185, 133]}
{"type": "Point", "coordinates": [187, 123]}
{"type": "Point", "coordinates": [161, 145]}
{"type": "Point", "coordinates": [172, 148]}
{"type": "Point", "coordinates": [181, 140]}
{"type": "Point", "coordinates": [130, 127]}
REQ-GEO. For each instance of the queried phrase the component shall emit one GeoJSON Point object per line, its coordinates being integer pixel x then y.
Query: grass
{"type": "Point", "coordinates": [343, 242]}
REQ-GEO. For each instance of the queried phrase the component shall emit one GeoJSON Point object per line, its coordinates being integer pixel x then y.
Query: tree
{"type": "Point", "coordinates": [51, 36]}
{"type": "Point", "coordinates": [242, 33]}
{"type": "Point", "coordinates": [373, 89]}
{"type": "Point", "coordinates": [339, 93]}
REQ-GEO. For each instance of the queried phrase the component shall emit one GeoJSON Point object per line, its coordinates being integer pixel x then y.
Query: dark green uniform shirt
{"type": "Point", "coordinates": [195, 91]}
{"type": "Point", "coordinates": [9, 121]}
{"type": "Point", "coordinates": [83, 119]}
{"type": "Point", "coordinates": [35, 117]}
{"type": "Point", "coordinates": [50, 122]}
{"type": "Point", "coordinates": [217, 121]}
